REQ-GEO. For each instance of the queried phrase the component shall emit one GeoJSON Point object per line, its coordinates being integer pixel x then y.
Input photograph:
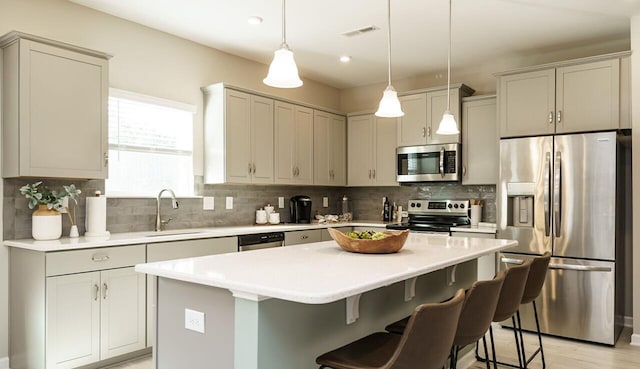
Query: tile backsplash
{"type": "Point", "coordinates": [138, 214]}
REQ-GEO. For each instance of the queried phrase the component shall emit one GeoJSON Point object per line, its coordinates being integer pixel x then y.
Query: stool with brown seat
{"type": "Point", "coordinates": [425, 343]}
{"type": "Point", "coordinates": [477, 313]}
{"type": "Point", "coordinates": [508, 304]}
{"type": "Point", "coordinates": [532, 289]}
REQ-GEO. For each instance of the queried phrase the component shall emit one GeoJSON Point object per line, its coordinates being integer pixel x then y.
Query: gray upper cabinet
{"type": "Point", "coordinates": [480, 141]}
{"type": "Point", "coordinates": [55, 112]}
{"type": "Point", "coordinates": [371, 151]}
{"type": "Point", "coordinates": [238, 136]}
{"type": "Point", "coordinates": [564, 98]}
{"type": "Point", "coordinates": [330, 149]}
{"type": "Point", "coordinates": [423, 111]}
{"type": "Point", "coordinates": [294, 144]}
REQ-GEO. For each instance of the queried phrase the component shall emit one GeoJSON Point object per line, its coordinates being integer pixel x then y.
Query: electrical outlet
{"type": "Point", "coordinates": [207, 203]}
{"type": "Point", "coordinates": [325, 202]}
{"type": "Point", "coordinates": [229, 203]}
{"type": "Point", "coordinates": [280, 202]}
{"type": "Point", "coordinates": [194, 320]}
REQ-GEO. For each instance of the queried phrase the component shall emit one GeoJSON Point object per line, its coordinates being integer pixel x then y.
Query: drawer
{"type": "Point", "coordinates": [300, 237]}
{"type": "Point", "coordinates": [191, 248]}
{"type": "Point", "coordinates": [77, 261]}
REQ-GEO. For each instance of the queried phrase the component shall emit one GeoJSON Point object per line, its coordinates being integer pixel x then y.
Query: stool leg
{"type": "Point", "coordinates": [524, 356]}
{"type": "Point", "coordinates": [486, 352]}
{"type": "Point", "coordinates": [515, 335]}
{"type": "Point", "coordinates": [493, 348]}
{"type": "Point", "coordinates": [535, 313]}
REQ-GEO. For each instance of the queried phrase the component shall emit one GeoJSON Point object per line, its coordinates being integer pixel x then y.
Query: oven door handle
{"type": "Point", "coordinates": [442, 161]}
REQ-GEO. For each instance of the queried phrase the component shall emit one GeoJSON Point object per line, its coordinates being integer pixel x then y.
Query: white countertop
{"type": "Point", "coordinates": [132, 238]}
{"type": "Point", "coordinates": [475, 229]}
{"type": "Point", "coordinates": [322, 272]}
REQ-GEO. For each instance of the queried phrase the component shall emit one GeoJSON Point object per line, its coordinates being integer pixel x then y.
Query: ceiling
{"type": "Point", "coordinates": [483, 30]}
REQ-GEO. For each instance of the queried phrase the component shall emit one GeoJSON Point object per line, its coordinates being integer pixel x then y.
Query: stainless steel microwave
{"type": "Point", "coordinates": [428, 163]}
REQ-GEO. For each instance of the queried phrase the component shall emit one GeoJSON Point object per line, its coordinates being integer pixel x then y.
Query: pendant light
{"type": "Point", "coordinates": [283, 72]}
{"type": "Point", "coordinates": [389, 105]}
{"type": "Point", "coordinates": [448, 125]}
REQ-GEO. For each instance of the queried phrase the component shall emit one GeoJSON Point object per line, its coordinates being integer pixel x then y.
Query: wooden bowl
{"type": "Point", "coordinates": [392, 243]}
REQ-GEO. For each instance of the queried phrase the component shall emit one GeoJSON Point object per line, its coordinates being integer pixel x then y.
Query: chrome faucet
{"type": "Point", "coordinates": [174, 204]}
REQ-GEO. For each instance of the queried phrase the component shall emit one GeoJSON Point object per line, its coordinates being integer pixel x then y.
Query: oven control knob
{"type": "Point", "coordinates": [450, 206]}
{"type": "Point", "coordinates": [413, 204]}
{"type": "Point", "coordinates": [455, 206]}
{"type": "Point", "coordinates": [418, 204]}
{"type": "Point", "coordinates": [461, 206]}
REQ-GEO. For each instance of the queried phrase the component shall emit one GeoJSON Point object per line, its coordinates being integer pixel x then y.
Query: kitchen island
{"type": "Point", "coordinates": [280, 308]}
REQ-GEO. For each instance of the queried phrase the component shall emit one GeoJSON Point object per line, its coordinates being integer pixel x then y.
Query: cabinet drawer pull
{"type": "Point", "coordinates": [304, 237]}
{"type": "Point", "coordinates": [99, 258]}
{"type": "Point", "coordinates": [105, 291]}
{"type": "Point", "coordinates": [96, 292]}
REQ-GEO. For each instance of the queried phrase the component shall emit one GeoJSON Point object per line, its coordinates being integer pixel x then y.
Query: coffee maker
{"type": "Point", "coordinates": [300, 208]}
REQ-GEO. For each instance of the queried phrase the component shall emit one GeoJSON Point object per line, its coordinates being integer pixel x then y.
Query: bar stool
{"type": "Point", "coordinates": [477, 313]}
{"type": "Point", "coordinates": [532, 289]}
{"type": "Point", "coordinates": [425, 343]}
{"type": "Point", "coordinates": [508, 304]}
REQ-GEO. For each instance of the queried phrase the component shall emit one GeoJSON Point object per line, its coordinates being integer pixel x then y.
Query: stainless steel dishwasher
{"type": "Point", "coordinates": [249, 242]}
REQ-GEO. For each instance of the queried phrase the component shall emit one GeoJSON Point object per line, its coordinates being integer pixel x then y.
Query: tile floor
{"type": "Point", "coordinates": [559, 354]}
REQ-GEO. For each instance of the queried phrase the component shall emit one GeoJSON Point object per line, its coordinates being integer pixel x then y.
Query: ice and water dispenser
{"type": "Point", "coordinates": [520, 196]}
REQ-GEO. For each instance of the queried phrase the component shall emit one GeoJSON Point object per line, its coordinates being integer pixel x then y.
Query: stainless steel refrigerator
{"type": "Point", "coordinates": [559, 194]}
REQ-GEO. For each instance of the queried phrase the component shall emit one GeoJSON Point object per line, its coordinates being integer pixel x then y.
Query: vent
{"type": "Point", "coordinates": [360, 31]}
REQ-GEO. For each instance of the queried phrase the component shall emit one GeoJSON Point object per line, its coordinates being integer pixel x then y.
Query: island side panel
{"type": "Point", "coordinates": [278, 334]}
{"type": "Point", "coordinates": [178, 346]}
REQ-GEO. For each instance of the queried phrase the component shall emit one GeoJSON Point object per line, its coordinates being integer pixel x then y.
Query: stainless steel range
{"type": "Point", "coordinates": [435, 216]}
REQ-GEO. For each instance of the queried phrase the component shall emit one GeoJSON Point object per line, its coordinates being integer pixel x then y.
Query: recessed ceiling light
{"type": "Point", "coordinates": [345, 58]}
{"type": "Point", "coordinates": [254, 19]}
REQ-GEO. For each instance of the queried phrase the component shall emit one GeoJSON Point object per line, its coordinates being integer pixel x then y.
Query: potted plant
{"type": "Point", "coordinates": [46, 221]}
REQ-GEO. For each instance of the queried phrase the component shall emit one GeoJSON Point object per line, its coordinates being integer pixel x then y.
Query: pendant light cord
{"type": "Point", "coordinates": [449, 64]}
{"type": "Point", "coordinates": [389, 39]}
{"type": "Point", "coordinates": [284, 26]}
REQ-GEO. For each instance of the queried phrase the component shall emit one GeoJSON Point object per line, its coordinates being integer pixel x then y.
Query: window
{"type": "Point", "coordinates": [150, 145]}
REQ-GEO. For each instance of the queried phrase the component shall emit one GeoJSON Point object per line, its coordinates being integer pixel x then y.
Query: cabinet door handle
{"type": "Point", "coordinates": [254, 168]}
{"type": "Point", "coordinates": [106, 158]}
{"type": "Point", "coordinates": [424, 132]}
{"type": "Point", "coordinates": [369, 173]}
{"type": "Point", "coordinates": [99, 258]}
{"type": "Point", "coordinates": [96, 292]}
{"type": "Point", "coordinates": [105, 291]}
{"type": "Point", "coordinates": [429, 131]}
{"type": "Point", "coordinates": [374, 174]}
{"type": "Point", "coordinates": [249, 168]}
{"type": "Point", "coordinates": [464, 170]}
{"type": "Point", "coordinates": [559, 116]}
{"type": "Point", "coordinates": [550, 117]}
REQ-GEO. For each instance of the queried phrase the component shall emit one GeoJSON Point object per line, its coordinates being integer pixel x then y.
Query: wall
{"type": "Point", "coordinates": [635, 125]}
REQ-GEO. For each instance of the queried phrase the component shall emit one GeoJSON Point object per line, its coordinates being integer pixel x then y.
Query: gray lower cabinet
{"type": "Point", "coordinates": [486, 264]}
{"type": "Point", "coordinates": [325, 236]}
{"type": "Point", "coordinates": [301, 237]}
{"type": "Point", "coordinates": [162, 251]}
{"type": "Point", "coordinates": [89, 305]}
{"type": "Point", "coordinates": [375, 229]}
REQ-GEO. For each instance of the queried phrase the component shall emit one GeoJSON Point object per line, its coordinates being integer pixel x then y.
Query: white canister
{"type": "Point", "coordinates": [261, 216]}
{"type": "Point", "coordinates": [476, 214]}
{"type": "Point", "coordinates": [274, 218]}
{"type": "Point", "coordinates": [269, 209]}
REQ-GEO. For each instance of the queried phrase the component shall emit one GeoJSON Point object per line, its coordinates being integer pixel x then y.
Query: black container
{"type": "Point", "coordinates": [300, 209]}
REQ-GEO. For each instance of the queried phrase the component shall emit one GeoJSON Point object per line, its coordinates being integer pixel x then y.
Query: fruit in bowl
{"type": "Point", "coordinates": [370, 242]}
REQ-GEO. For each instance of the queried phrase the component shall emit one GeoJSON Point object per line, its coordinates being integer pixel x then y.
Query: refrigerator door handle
{"type": "Point", "coordinates": [547, 190]}
{"type": "Point", "coordinates": [557, 185]}
{"type": "Point", "coordinates": [512, 261]}
{"type": "Point", "coordinates": [583, 268]}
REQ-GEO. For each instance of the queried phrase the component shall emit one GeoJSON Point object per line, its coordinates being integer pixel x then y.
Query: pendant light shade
{"type": "Point", "coordinates": [389, 105]}
{"type": "Point", "coordinates": [448, 125]}
{"type": "Point", "coordinates": [283, 72]}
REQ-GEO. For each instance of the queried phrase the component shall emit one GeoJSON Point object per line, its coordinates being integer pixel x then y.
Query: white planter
{"type": "Point", "coordinates": [46, 224]}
